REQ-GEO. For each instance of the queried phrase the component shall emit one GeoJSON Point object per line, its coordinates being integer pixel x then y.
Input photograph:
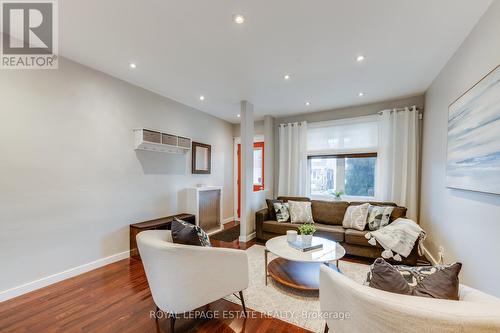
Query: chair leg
{"type": "Point", "coordinates": [243, 304]}
{"type": "Point", "coordinates": [326, 328]}
{"type": "Point", "coordinates": [172, 323]}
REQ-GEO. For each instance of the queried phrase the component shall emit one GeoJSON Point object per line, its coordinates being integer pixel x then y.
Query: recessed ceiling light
{"type": "Point", "coordinates": [360, 58]}
{"type": "Point", "coordinates": [238, 115]}
{"type": "Point", "coordinates": [287, 76]}
{"type": "Point", "coordinates": [239, 19]}
{"type": "Point", "coordinates": [308, 103]}
{"type": "Point", "coordinates": [202, 98]}
{"type": "Point", "coordinates": [132, 65]}
{"type": "Point", "coordinates": [361, 94]}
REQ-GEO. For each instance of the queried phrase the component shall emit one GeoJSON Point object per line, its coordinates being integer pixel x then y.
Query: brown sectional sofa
{"type": "Point", "coordinates": [328, 217]}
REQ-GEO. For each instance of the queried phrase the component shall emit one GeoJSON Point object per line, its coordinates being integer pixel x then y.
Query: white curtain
{"type": "Point", "coordinates": [398, 158]}
{"type": "Point", "coordinates": [292, 178]}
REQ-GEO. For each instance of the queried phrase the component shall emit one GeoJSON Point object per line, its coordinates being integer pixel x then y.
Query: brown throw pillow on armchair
{"type": "Point", "coordinates": [385, 277]}
{"type": "Point", "coordinates": [425, 281]}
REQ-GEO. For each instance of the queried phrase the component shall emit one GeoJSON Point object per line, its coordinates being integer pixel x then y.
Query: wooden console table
{"type": "Point", "coordinates": [163, 223]}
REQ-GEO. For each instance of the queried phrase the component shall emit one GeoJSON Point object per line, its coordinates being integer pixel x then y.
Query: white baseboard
{"type": "Point", "coordinates": [229, 219]}
{"type": "Point", "coordinates": [430, 257]}
{"type": "Point", "coordinates": [247, 238]}
{"type": "Point", "coordinates": [51, 279]}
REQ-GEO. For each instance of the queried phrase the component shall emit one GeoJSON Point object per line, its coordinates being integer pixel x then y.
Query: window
{"type": "Point", "coordinates": [323, 172]}
{"type": "Point", "coordinates": [353, 175]}
{"type": "Point", "coordinates": [342, 157]}
{"type": "Point", "coordinates": [360, 176]}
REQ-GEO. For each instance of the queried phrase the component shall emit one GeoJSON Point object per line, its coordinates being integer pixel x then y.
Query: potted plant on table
{"type": "Point", "coordinates": [306, 232]}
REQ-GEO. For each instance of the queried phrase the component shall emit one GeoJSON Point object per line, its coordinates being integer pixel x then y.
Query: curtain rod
{"type": "Point", "coordinates": [419, 109]}
{"type": "Point", "coordinates": [291, 124]}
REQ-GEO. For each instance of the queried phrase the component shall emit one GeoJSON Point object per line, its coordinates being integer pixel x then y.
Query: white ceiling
{"type": "Point", "coordinates": [187, 48]}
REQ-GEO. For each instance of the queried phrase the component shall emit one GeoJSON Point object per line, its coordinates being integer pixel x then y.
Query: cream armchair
{"type": "Point", "coordinates": [184, 277]}
{"type": "Point", "coordinates": [373, 310]}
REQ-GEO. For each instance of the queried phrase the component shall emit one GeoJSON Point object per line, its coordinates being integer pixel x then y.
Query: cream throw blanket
{"type": "Point", "coordinates": [398, 238]}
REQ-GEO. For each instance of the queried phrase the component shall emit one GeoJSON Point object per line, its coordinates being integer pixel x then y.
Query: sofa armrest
{"type": "Point", "coordinates": [260, 216]}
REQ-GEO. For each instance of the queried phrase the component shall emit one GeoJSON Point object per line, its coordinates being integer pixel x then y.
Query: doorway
{"type": "Point", "coordinates": [258, 170]}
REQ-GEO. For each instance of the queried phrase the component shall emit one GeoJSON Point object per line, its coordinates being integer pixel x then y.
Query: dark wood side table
{"type": "Point", "coordinates": [163, 223]}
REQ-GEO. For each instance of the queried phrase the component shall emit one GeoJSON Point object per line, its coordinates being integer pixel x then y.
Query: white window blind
{"type": "Point", "coordinates": [356, 135]}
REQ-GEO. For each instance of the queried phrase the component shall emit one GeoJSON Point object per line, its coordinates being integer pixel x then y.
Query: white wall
{"type": "Point", "coordinates": [70, 180]}
{"type": "Point", "coordinates": [466, 224]}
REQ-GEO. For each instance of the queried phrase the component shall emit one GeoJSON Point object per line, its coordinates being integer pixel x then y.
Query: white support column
{"type": "Point", "coordinates": [269, 156]}
{"type": "Point", "coordinates": [247, 215]}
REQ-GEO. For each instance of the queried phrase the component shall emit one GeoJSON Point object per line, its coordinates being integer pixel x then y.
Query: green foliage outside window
{"type": "Point", "coordinates": [360, 176]}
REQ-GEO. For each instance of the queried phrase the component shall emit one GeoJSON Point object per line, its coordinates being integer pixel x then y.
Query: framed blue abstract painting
{"type": "Point", "coordinates": [473, 159]}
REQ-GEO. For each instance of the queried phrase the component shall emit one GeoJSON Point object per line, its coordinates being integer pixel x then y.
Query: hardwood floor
{"type": "Point", "coordinates": [116, 298]}
{"type": "Point", "coordinates": [236, 244]}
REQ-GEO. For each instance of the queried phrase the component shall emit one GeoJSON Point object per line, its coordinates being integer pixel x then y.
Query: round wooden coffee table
{"type": "Point", "coordinates": [297, 269]}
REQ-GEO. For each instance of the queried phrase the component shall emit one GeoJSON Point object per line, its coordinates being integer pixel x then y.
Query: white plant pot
{"type": "Point", "coordinates": [307, 239]}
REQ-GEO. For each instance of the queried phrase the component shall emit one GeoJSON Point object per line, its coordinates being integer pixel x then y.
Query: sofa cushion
{"type": "Point", "coordinates": [329, 212]}
{"type": "Point", "coordinates": [286, 199]}
{"type": "Point", "coordinates": [397, 212]}
{"type": "Point", "coordinates": [300, 212]}
{"type": "Point", "coordinates": [379, 216]}
{"type": "Point", "coordinates": [270, 208]}
{"type": "Point", "coordinates": [357, 237]}
{"type": "Point", "coordinates": [428, 281]}
{"type": "Point", "coordinates": [355, 217]}
{"type": "Point", "coordinates": [386, 277]}
{"type": "Point", "coordinates": [276, 227]}
{"type": "Point", "coordinates": [374, 203]}
{"type": "Point", "coordinates": [332, 232]}
{"type": "Point", "coordinates": [438, 282]}
{"type": "Point", "coordinates": [188, 234]}
{"type": "Point", "coordinates": [282, 211]}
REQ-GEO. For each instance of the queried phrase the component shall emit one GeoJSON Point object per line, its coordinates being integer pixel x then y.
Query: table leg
{"type": "Point", "coordinates": [265, 266]}
{"type": "Point", "coordinates": [328, 263]}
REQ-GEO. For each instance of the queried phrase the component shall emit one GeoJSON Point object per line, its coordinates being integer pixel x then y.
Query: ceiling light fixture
{"type": "Point", "coordinates": [239, 19]}
{"type": "Point", "coordinates": [287, 76]}
{"type": "Point", "coordinates": [202, 98]}
{"type": "Point", "coordinates": [360, 58]}
{"type": "Point", "coordinates": [238, 115]}
{"type": "Point", "coordinates": [361, 94]}
{"type": "Point", "coordinates": [132, 65]}
{"type": "Point", "coordinates": [308, 103]}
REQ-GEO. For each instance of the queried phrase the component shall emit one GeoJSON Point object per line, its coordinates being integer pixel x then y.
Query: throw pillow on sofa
{"type": "Point", "coordinates": [300, 212]}
{"type": "Point", "coordinates": [426, 281]}
{"type": "Point", "coordinates": [188, 234]}
{"type": "Point", "coordinates": [379, 216]}
{"type": "Point", "coordinates": [355, 217]}
{"type": "Point", "coordinates": [270, 208]}
{"type": "Point", "coordinates": [282, 212]}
